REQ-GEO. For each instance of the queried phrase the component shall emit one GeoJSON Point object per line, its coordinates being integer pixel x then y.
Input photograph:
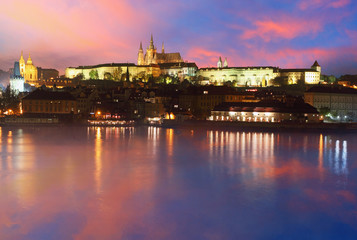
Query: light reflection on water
{"type": "Point", "coordinates": [154, 183]}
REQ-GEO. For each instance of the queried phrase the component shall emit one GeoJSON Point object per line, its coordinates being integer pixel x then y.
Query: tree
{"type": "Point", "coordinates": [79, 76]}
{"type": "Point", "coordinates": [93, 74]}
{"type": "Point", "coordinates": [280, 81]}
{"type": "Point", "coordinates": [9, 100]}
{"type": "Point", "coordinates": [117, 74]}
{"type": "Point", "coordinates": [108, 76]}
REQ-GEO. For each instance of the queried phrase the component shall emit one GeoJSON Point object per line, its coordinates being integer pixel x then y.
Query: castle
{"type": "Point", "coordinates": [153, 57]}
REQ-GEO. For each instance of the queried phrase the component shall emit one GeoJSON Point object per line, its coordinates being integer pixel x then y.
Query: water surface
{"type": "Point", "coordinates": [154, 183]}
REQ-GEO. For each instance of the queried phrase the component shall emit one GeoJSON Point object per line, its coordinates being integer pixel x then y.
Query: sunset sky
{"type": "Point", "coordinates": [284, 33]}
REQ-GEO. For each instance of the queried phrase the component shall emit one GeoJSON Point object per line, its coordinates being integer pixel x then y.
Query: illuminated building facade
{"type": "Point", "coordinates": [30, 71]}
{"type": "Point", "coordinates": [340, 101]}
{"type": "Point", "coordinates": [239, 76]}
{"type": "Point", "coordinates": [257, 76]}
{"type": "Point", "coordinates": [113, 71]}
{"type": "Point", "coordinates": [16, 80]}
{"type": "Point", "coordinates": [265, 111]}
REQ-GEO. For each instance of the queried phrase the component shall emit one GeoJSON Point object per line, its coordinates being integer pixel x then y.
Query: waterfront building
{"type": "Point", "coordinates": [49, 103]}
{"type": "Point", "coordinates": [265, 111]}
{"type": "Point", "coordinates": [201, 101]}
{"type": "Point", "coordinates": [340, 101]}
{"type": "Point", "coordinates": [16, 80]}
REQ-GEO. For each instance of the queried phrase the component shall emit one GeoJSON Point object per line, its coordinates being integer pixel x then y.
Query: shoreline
{"type": "Point", "coordinates": [206, 125]}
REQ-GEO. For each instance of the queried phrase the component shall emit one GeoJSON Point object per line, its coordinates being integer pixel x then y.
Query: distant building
{"type": "Point", "coordinates": [48, 103]}
{"type": "Point", "coordinates": [265, 111]}
{"type": "Point", "coordinates": [46, 74]}
{"type": "Point", "coordinates": [16, 80]}
{"type": "Point", "coordinates": [340, 101]}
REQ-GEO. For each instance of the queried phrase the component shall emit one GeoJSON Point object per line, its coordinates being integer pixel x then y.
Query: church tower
{"type": "Point", "coordinates": [163, 48]}
{"type": "Point", "coordinates": [316, 66]}
{"type": "Point", "coordinates": [141, 60]}
{"type": "Point", "coordinates": [150, 56]}
{"type": "Point", "coordinates": [225, 64]}
{"type": "Point", "coordinates": [22, 64]}
{"type": "Point", "coordinates": [219, 63]}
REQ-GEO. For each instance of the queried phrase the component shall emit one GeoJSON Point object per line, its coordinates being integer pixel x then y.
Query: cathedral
{"type": "Point", "coordinates": [153, 57]}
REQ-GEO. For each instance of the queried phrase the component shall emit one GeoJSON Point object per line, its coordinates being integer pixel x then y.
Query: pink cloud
{"type": "Point", "coordinates": [308, 4]}
{"type": "Point", "coordinates": [285, 27]}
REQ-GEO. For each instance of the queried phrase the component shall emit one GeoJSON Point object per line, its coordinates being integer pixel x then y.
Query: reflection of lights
{"type": "Point", "coordinates": [98, 160]}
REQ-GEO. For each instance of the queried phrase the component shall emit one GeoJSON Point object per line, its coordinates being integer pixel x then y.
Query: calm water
{"type": "Point", "coordinates": [152, 183]}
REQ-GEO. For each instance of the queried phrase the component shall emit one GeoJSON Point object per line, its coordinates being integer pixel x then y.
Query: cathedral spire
{"type": "Point", "coordinates": [163, 47]}
{"type": "Point", "coordinates": [151, 43]}
{"type": "Point", "coordinates": [141, 46]}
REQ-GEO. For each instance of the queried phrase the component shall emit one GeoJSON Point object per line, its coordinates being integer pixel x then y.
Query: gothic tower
{"type": "Point", "coordinates": [22, 64]}
{"type": "Point", "coordinates": [141, 60]}
{"type": "Point", "coordinates": [150, 56]}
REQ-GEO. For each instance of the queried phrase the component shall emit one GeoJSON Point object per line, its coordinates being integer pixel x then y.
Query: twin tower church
{"type": "Point", "coordinates": [23, 72]}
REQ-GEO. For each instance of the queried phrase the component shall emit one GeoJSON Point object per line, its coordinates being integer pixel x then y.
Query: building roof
{"type": "Point", "coordinates": [177, 65]}
{"type": "Point", "coordinates": [250, 67]}
{"type": "Point", "coordinates": [106, 65]}
{"type": "Point", "coordinates": [298, 70]}
{"type": "Point", "coordinates": [169, 57]}
{"type": "Point", "coordinates": [266, 106]}
{"type": "Point", "coordinates": [316, 64]}
{"type": "Point", "coordinates": [332, 89]}
{"type": "Point", "coordinates": [39, 94]}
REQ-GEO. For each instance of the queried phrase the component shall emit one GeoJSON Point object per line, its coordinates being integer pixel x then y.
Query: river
{"type": "Point", "coordinates": [157, 183]}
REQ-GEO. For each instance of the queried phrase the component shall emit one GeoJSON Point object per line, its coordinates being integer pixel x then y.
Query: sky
{"type": "Point", "coordinates": [283, 33]}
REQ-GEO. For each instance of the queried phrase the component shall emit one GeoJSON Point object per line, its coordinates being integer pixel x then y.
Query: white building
{"type": "Point", "coordinates": [257, 76]}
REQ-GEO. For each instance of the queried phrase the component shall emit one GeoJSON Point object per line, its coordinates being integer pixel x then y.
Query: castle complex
{"type": "Point", "coordinates": [152, 63]}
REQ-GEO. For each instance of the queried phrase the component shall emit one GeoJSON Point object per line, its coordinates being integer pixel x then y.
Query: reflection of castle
{"type": "Point", "coordinates": [153, 57]}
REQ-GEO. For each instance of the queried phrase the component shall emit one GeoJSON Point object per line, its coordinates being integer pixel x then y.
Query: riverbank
{"type": "Point", "coordinates": [262, 126]}
{"type": "Point", "coordinates": [189, 124]}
